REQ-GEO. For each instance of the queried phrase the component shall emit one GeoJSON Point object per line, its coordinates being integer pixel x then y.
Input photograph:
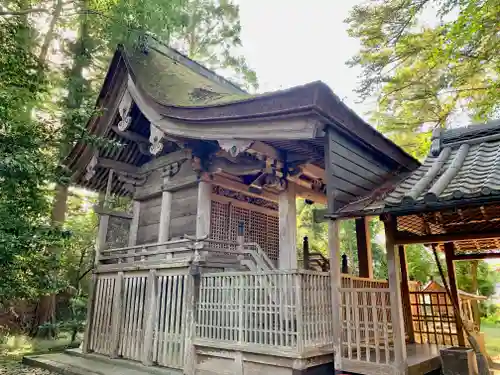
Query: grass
{"type": "Point", "coordinates": [491, 338]}
{"type": "Point", "coordinates": [14, 348]}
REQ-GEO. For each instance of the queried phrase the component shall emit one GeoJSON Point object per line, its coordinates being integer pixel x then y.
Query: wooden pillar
{"type": "Point", "coordinates": [134, 224]}
{"type": "Point", "coordinates": [287, 229]}
{"type": "Point", "coordinates": [305, 252]}
{"type": "Point", "coordinates": [405, 290]}
{"type": "Point", "coordinates": [365, 259]}
{"type": "Point", "coordinates": [166, 209]}
{"type": "Point", "coordinates": [452, 281]}
{"type": "Point", "coordinates": [400, 355]}
{"type": "Point", "coordinates": [204, 209]}
{"type": "Point", "coordinates": [334, 250]}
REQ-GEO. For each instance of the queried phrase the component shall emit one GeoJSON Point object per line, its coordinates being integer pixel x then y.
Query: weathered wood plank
{"type": "Point", "coordinates": [182, 225]}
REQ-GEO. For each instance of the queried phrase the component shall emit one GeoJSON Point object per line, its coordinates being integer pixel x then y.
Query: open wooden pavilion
{"type": "Point", "coordinates": [451, 201]}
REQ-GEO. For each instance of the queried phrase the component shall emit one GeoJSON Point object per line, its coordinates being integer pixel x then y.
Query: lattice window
{"type": "Point", "coordinates": [260, 227]}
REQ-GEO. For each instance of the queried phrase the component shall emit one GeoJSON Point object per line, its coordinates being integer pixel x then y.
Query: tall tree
{"type": "Point", "coordinates": [212, 36]}
{"type": "Point", "coordinates": [427, 70]}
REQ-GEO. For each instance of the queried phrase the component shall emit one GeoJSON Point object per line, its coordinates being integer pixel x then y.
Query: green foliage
{"type": "Point", "coordinates": [27, 163]}
{"type": "Point", "coordinates": [425, 75]}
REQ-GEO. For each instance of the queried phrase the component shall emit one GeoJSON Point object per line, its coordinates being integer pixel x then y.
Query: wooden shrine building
{"type": "Point", "coordinates": [200, 275]}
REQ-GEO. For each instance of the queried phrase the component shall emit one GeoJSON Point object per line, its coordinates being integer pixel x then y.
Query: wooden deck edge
{"type": "Point", "coordinates": [40, 362]}
{"type": "Point", "coordinates": [126, 363]}
{"type": "Point", "coordinates": [367, 368]}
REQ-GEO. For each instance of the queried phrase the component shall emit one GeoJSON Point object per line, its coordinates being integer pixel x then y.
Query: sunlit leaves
{"type": "Point", "coordinates": [427, 61]}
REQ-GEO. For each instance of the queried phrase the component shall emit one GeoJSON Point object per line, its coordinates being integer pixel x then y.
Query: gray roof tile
{"type": "Point", "coordinates": [464, 164]}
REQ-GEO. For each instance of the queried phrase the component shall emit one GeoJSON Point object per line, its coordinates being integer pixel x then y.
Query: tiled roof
{"type": "Point", "coordinates": [463, 163]}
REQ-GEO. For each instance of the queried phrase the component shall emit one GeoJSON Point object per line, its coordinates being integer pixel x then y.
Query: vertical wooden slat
{"type": "Point", "coordinates": [376, 326]}
{"type": "Point", "coordinates": [117, 315]}
{"type": "Point", "coordinates": [405, 292]}
{"type": "Point", "coordinates": [299, 312]}
{"type": "Point", "coordinates": [150, 317]}
{"type": "Point", "coordinates": [367, 321]}
{"type": "Point", "coordinates": [357, 323]}
{"type": "Point", "coordinates": [167, 336]}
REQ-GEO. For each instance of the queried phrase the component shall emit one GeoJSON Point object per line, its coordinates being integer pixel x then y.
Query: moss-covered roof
{"type": "Point", "coordinates": [173, 80]}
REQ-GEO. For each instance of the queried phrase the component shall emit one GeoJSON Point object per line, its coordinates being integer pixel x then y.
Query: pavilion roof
{"type": "Point", "coordinates": [454, 196]}
{"type": "Point", "coordinates": [462, 167]}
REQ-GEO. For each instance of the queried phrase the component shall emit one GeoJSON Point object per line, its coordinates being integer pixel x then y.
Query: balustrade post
{"type": "Point", "coordinates": [150, 318]}
{"type": "Point", "coordinates": [305, 252]}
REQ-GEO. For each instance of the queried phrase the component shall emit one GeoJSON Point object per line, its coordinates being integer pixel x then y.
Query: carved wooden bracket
{"type": "Point", "coordinates": [156, 139]}
{"type": "Point", "coordinates": [90, 169]}
{"type": "Point", "coordinates": [124, 111]}
{"type": "Point", "coordinates": [170, 170]}
{"type": "Point", "coordinates": [132, 180]}
{"type": "Point", "coordinates": [234, 146]}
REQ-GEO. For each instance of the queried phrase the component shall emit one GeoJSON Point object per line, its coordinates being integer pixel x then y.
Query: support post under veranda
{"type": "Point", "coordinates": [393, 263]}
{"type": "Point", "coordinates": [452, 281]}
{"type": "Point", "coordinates": [99, 247]}
{"type": "Point", "coordinates": [405, 290]}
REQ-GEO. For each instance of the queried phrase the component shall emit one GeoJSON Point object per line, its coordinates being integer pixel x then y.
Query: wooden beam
{"type": "Point", "coordinates": [452, 281]}
{"type": "Point", "coordinates": [266, 149]}
{"type": "Point", "coordinates": [400, 355]}
{"type": "Point", "coordinates": [405, 294]}
{"type": "Point", "coordinates": [313, 171]}
{"type": "Point", "coordinates": [404, 239]}
{"type": "Point", "coordinates": [116, 165]}
{"type": "Point", "coordinates": [316, 197]}
{"type": "Point", "coordinates": [495, 255]}
{"type": "Point", "coordinates": [287, 229]}
{"type": "Point", "coordinates": [131, 136]}
{"type": "Point", "coordinates": [365, 259]}
{"type": "Point", "coordinates": [219, 179]}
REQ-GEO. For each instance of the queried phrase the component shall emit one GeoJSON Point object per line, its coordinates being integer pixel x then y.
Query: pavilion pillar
{"type": "Point", "coordinates": [203, 213]}
{"type": "Point", "coordinates": [287, 229]}
{"type": "Point", "coordinates": [365, 259]}
{"type": "Point", "coordinates": [452, 281]}
{"type": "Point", "coordinates": [335, 277]}
{"type": "Point", "coordinates": [474, 285]}
{"type": "Point", "coordinates": [166, 208]}
{"type": "Point", "coordinates": [405, 294]}
{"type": "Point", "coordinates": [393, 263]}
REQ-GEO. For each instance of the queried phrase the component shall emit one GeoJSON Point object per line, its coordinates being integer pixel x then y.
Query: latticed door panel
{"type": "Point", "coordinates": [259, 227]}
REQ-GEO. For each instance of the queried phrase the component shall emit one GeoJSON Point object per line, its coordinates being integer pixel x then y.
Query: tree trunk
{"type": "Point", "coordinates": [56, 14]}
{"type": "Point", "coordinates": [76, 91]}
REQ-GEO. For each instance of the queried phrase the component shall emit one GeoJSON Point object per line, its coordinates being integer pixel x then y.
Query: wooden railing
{"type": "Point", "coordinates": [367, 334]}
{"type": "Point", "coordinates": [140, 316]}
{"type": "Point", "coordinates": [283, 312]}
{"type": "Point", "coordinates": [433, 318]}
